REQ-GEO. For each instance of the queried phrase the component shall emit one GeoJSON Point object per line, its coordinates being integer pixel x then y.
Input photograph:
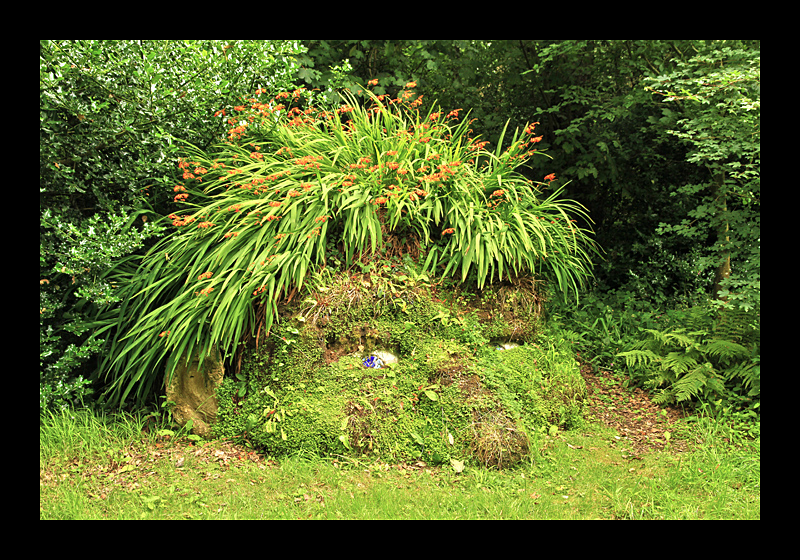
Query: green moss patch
{"type": "Point", "coordinates": [451, 395]}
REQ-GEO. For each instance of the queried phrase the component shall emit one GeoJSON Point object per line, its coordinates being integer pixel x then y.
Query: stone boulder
{"type": "Point", "coordinates": [193, 390]}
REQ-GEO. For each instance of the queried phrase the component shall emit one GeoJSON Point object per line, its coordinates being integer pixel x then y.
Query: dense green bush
{"type": "Point", "coordinates": [109, 114]}
{"type": "Point", "coordinates": [659, 140]}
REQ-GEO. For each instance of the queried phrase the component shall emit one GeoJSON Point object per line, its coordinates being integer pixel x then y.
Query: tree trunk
{"type": "Point", "coordinates": [723, 236]}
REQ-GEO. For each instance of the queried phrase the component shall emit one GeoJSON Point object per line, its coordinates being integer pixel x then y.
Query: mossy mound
{"type": "Point", "coordinates": [452, 394]}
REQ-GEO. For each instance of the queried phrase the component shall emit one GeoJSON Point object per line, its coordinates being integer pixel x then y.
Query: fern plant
{"type": "Point", "coordinates": [682, 365]}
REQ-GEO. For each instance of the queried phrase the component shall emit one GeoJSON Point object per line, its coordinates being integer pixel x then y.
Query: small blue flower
{"type": "Point", "coordinates": [373, 362]}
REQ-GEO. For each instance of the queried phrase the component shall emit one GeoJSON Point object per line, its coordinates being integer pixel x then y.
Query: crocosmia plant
{"type": "Point", "coordinates": [293, 183]}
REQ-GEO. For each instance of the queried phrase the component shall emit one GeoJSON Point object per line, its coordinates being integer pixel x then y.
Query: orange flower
{"type": "Point", "coordinates": [274, 204]}
{"type": "Point", "coordinates": [551, 177]}
{"type": "Point", "coordinates": [411, 85]}
{"type": "Point", "coordinates": [372, 82]}
{"type": "Point", "coordinates": [164, 333]}
{"type": "Point", "coordinates": [448, 231]}
{"type": "Point", "coordinates": [381, 200]}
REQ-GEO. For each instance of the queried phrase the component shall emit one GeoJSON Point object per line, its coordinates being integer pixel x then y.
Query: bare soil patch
{"type": "Point", "coordinates": [640, 423]}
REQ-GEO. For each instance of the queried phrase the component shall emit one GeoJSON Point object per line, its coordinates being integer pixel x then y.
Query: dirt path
{"type": "Point", "coordinates": [640, 423]}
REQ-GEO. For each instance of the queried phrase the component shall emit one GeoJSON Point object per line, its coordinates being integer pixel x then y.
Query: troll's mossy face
{"type": "Point", "coordinates": [450, 395]}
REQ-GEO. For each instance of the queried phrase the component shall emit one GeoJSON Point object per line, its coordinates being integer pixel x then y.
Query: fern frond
{"type": "Point", "coordinates": [753, 381]}
{"type": "Point", "coordinates": [678, 337]}
{"type": "Point", "coordinates": [738, 325]}
{"type": "Point", "coordinates": [664, 396]}
{"type": "Point", "coordinates": [726, 351]}
{"type": "Point", "coordinates": [678, 362]}
{"type": "Point", "coordinates": [636, 357]}
{"type": "Point", "coordinates": [690, 385]}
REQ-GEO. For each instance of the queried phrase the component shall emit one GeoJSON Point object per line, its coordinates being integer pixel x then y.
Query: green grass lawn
{"type": "Point", "coordinates": [114, 467]}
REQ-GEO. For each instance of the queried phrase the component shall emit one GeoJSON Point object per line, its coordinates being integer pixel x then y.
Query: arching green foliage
{"type": "Point", "coordinates": [295, 182]}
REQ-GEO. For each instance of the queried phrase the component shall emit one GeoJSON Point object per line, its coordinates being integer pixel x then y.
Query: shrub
{"type": "Point", "coordinates": [293, 181]}
{"type": "Point", "coordinates": [715, 363]}
{"type": "Point", "coordinates": [107, 113]}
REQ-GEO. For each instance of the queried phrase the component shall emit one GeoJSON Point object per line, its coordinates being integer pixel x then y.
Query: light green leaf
{"type": "Point", "coordinates": [458, 466]}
